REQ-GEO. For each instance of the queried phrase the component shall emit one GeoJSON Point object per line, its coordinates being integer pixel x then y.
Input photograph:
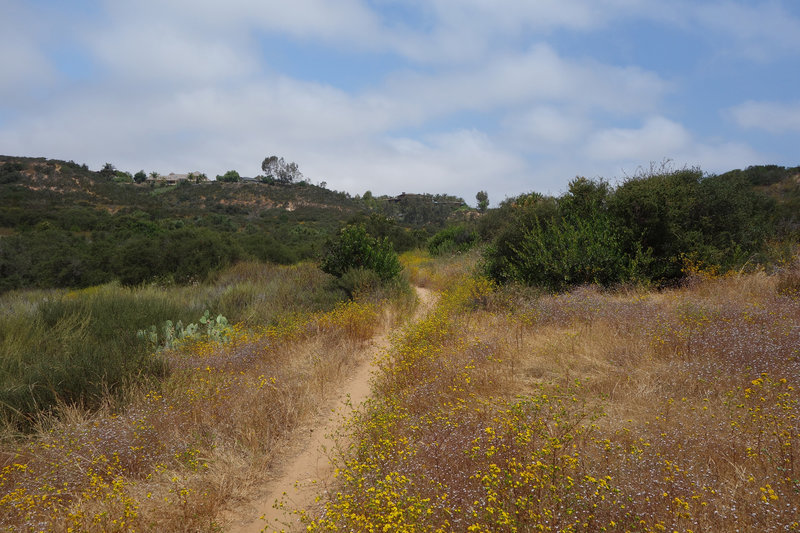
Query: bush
{"type": "Point", "coordinates": [643, 230]}
{"type": "Point", "coordinates": [718, 220]}
{"type": "Point", "coordinates": [560, 253]}
{"type": "Point", "coordinates": [451, 240]}
{"type": "Point", "coordinates": [356, 249]}
{"type": "Point", "coordinates": [359, 281]}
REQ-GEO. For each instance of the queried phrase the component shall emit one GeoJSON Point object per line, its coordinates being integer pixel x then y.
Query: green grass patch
{"type": "Point", "coordinates": [76, 347]}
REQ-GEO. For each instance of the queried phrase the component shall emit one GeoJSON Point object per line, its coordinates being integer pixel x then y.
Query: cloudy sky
{"type": "Point", "coordinates": [454, 96]}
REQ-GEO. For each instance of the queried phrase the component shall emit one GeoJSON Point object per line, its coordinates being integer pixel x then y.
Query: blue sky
{"type": "Point", "coordinates": [454, 96]}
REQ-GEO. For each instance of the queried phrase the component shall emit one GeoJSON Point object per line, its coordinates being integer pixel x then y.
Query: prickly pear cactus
{"type": "Point", "coordinates": [174, 334]}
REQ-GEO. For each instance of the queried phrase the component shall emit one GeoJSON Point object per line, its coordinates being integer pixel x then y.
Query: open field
{"type": "Point", "coordinates": [172, 452]}
{"type": "Point", "coordinates": [501, 409]}
{"type": "Point", "coordinates": [508, 410]}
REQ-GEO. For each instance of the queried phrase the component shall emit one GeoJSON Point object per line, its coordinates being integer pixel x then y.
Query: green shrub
{"type": "Point", "coordinates": [359, 281]}
{"type": "Point", "coordinates": [642, 230]}
{"type": "Point", "coordinates": [560, 253]}
{"type": "Point", "coordinates": [356, 249]}
{"type": "Point", "coordinates": [716, 220]}
{"type": "Point", "coordinates": [451, 240]}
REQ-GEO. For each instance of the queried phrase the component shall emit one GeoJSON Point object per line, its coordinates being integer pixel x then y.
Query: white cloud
{"type": "Point", "coordinates": [761, 30]}
{"type": "Point", "coordinates": [159, 53]}
{"type": "Point", "coordinates": [773, 117]}
{"type": "Point", "coordinates": [538, 75]}
{"type": "Point", "coordinates": [547, 125]}
{"type": "Point", "coordinates": [721, 157]}
{"type": "Point", "coordinates": [656, 139]}
{"type": "Point", "coordinates": [24, 67]}
{"type": "Point", "coordinates": [342, 23]}
{"type": "Point", "coordinates": [460, 162]}
{"type": "Point", "coordinates": [467, 31]}
{"type": "Point", "coordinates": [456, 31]}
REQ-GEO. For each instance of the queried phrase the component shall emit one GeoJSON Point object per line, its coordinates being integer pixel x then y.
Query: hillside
{"type": "Point", "coordinates": [38, 184]}
{"type": "Point", "coordinates": [63, 225]}
{"type": "Point", "coordinates": [779, 183]}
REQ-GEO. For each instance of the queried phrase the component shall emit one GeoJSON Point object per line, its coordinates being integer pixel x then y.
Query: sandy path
{"type": "Point", "coordinates": [308, 471]}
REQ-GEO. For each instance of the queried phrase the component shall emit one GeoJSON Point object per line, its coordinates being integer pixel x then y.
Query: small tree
{"type": "Point", "coordinates": [483, 200]}
{"type": "Point", "coordinates": [108, 171]}
{"type": "Point", "coordinates": [357, 249]}
{"type": "Point", "coordinates": [281, 171]}
{"type": "Point", "coordinates": [230, 176]}
{"type": "Point", "coordinates": [140, 177]}
{"type": "Point", "coordinates": [120, 176]}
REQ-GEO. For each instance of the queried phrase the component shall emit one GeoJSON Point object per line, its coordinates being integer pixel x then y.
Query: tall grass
{"type": "Point", "coordinates": [198, 440]}
{"type": "Point", "coordinates": [76, 347]}
{"type": "Point", "coordinates": [507, 410]}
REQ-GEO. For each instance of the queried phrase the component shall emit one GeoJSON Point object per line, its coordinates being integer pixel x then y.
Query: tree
{"type": "Point", "coordinates": [357, 249]}
{"type": "Point", "coordinates": [140, 177]}
{"type": "Point", "coordinates": [483, 200]}
{"type": "Point", "coordinates": [120, 176]}
{"type": "Point", "coordinates": [108, 171]}
{"type": "Point", "coordinates": [155, 175]}
{"type": "Point", "coordinates": [198, 177]}
{"type": "Point", "coordinates": [369, 200]}
{"type": "Point", "coordinates": [230, 176]}
{"type": "Point", "coordinates": [277, 168]}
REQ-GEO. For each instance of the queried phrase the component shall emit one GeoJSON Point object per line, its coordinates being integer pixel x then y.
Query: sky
{"type": "Point", "coordinates": [391, 96]}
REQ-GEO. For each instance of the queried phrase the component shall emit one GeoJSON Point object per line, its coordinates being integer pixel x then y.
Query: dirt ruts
{"type": "Point", "coordinates": [307, 470]}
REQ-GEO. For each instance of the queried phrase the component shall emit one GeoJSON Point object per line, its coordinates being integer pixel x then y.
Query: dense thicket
{"type": "Point", "coordinates": [648, 228]}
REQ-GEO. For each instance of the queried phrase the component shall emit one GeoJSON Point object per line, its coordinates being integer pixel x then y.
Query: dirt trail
{"type": "Point", "coordinates": [308, 471]}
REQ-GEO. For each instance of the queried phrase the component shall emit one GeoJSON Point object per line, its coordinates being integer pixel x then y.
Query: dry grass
{"type": "Point", "coordinates": [182, 452]}
{"type": "Point", "coordinates": [438, 273]}
{"type": "Point", "coordinates": [613, 411]}
{"type": "Point", "coordinates": [502, 410]}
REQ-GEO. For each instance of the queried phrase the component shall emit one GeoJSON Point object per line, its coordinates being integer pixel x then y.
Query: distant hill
{"type": "Point", "coordinates": [42, 183]}
{"type": "Point", "coordinates": [62, 224]}
{"type": "Point", "coordinates": [780, 183]}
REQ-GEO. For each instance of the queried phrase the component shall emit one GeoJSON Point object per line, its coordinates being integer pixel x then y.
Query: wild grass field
{"type": "Point", "coordinates": [167, 450]}
{"type": "Point", "coordinates": [507, 409]}
{"type": "Point", "coordinates": [503, 409]}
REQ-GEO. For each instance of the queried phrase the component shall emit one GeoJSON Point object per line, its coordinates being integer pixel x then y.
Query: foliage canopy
{"type": "Point", "coordinates": [357, 249]}
{"type": "Point", "coordinates": [645, 229]}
